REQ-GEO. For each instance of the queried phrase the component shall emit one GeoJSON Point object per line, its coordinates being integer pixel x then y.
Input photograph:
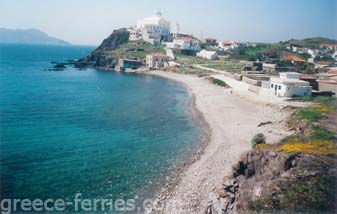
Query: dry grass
{"type": "Point", "coordinates": [311, 147]}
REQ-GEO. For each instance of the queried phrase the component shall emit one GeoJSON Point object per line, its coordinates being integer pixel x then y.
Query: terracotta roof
{"type": "Point", "coordinates": [157, 54]}
{"type": "Point", "coordinates": [323, 63]}
{"type": "Point", "coordinates": [210, 38]}
{"type": "Point", "coordinates": [329, 45]}
{"type": "Point", "coordinates": [227, 42]}
{"type": "Point", "coordinates": [308, 78]}
{"type": "Point", "coordinates": [293, 58]}
{"type": "Point", "coordinates": [332, 72]}
{"type": "Point", "coordinates": [186, 38]}
{"type": "Point", "coordinates": [328, 81]}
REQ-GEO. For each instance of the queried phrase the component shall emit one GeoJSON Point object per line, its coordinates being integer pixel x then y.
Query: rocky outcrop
{"type": "Point", "coordinates": [98, 58]}
{"type": "Point", "coordinates": [266, 181]}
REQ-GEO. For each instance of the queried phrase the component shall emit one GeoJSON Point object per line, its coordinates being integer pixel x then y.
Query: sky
{"type": "Point", "coordinates": [88, 22]}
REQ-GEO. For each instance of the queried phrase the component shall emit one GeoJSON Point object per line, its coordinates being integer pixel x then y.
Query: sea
{"type": "Point", "coordinates": [88, 133]}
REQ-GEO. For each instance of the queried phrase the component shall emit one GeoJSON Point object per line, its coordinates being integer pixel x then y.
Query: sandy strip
{"type": "Point", "coordinates": [233, 121]}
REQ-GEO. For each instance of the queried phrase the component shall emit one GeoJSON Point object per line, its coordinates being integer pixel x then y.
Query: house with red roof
{"type": "Point", "coordinates": [211, 41]}
{"type": "Point", "coordinates": [323, 64]}
{"type": "Point", "coordinates": [329, 46]}
{"type": "Point", "coordinates": [293, 59]}
{"type": "Point", "coordinates": [227, 45]}
{"type": "Point", "coordinates": [157, 60]}
{"type": "Point", "coordinates": [328, 81]}
{"type": "Point", "coordinates": [187, 43]}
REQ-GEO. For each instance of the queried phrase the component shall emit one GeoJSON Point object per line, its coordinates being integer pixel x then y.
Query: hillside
{"type": "Point", "coordinates": [117, 46]}
{"type": "Point", "coordinates": [296, 175]}
{"type": "Point", "coordinates": [28, 36]}
{"type": "Point", "coordinates": [313, 43]}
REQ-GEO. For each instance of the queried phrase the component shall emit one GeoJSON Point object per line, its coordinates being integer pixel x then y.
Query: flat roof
{"type": "Point", "coordinates": [288, 81]}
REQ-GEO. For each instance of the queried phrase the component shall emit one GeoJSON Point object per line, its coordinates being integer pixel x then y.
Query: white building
{"type": "Point", "coordinates": [184, 43]}
{"type": "Point", "coordinates": [227, 45]}
{"type": "Point", "coordinates": [135, 34]}
{"type": "Point", "coordinates": [290, 75]}
{"type": "Point", "coordinates": [153, 29]}
{"type": "Point", "coordinates": [207, 54]}
{"type": "Point", "coordinates": [157, 60]}
{"type": "Point", "coordinates": [289, 85]}
{"type": "Point", "coordinates": [175, 29]}
{"type": "Point", "coordinates": [268, 67]}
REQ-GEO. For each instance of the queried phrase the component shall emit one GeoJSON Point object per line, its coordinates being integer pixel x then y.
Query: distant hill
{"type": "Point", "coordinates": [312, 42]}
{"type": "Point", "coordinates": [28, 36]}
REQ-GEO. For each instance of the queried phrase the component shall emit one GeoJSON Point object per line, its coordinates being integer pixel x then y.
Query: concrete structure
{"type": "Point", "coordinates": [268, 67]}
{"type": "Point", "coordinates": [289, 85]}
{"type": "Point", "coordinates": [327, 82]}
{"type": "Point", "coordinates": [157, 60]}
{"type": "Point", "coordinates": [135, 34]}
{"type": "Point", "coordinates": [290, 75]}
{"type": "Point", "coordinates": [153, 29]}
{"type": "Point", "coordinates": [323, 64]}
{"type": "Point", "coordinates": [207, 54]}
{"type": "Point", "coordinates": [175, 30]}
{"type": "Point", "coordinates": [211, 41]}
{"type": "Point", "coordinates": [312, 80]}
{"type": "Point", "coordinates": [294, 59]}
{"type": "Point", "coordinates": [227, 45]}
{"type": "Point", "coordinates": [184, 43]}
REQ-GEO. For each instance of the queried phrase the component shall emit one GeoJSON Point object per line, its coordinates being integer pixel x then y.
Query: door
{"type": "Point", "coordinates": [275, 89]}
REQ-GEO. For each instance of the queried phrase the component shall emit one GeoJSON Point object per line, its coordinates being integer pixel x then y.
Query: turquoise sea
{"type": "Point", "coordinates": [87, 131]}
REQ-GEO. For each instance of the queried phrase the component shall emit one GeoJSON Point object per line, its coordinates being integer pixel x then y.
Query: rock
{"type": "Point", "coordinates": [264, 123]}
{"type": "Point", "coordinates": [60, 66]}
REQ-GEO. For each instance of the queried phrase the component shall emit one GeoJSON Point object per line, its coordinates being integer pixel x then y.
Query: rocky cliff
{"type": "Point", "coordinates": [100, 58]}
{"type": "Point", "coordinates": [266, 181]}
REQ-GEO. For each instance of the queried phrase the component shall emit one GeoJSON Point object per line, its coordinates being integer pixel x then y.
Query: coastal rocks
{"type": "Point", "coordinates": [254, 174]}
{"type": "Point", "coordinates": [113, 41]}
{"type": "Point", "coordinates": [99, 57]}
{"type": "Point", "coordinates": [58, 66]}
{"type": "Point", "coordinates": [267, 181]}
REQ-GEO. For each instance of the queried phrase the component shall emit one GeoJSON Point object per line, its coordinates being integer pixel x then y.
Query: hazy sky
{"type": "Point", "coordinates": [89, 21]}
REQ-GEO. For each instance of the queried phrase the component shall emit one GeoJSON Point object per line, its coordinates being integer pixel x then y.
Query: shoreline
{"type": "Point", "coordinates": [193, 185]}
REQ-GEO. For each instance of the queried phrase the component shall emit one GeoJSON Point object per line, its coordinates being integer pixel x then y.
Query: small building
{"type": "Point", "coordinates": [184, 43]}
{"type": "Point", "coordinates": [127, 63]}
{"type": "Point", "coordinates": [322, 64]}
{"type": "Point", "coordinates": [290, 75]}
{"type": "Point", "coordinates": [312, 80]}
{"type": "Point", "coordinates": [227, 45]}
{"type": "Point", "coordinates": [211, 41]}
{"type": "Point", "coordinates": [327, 82]}
{"type": "Point", "coordinates": [135, 34]}
{"type": "Point", "coordinates": [285, 87]}
{"type": "Point", "coordinates": [253, 67]}
{"type": "Point", "coordinates": [152, 29]}
{"type": "Point", "coordinates": [157, 60]}
{"type": "Point", "coordinates": [207, 54]}
{"type": "Point", "coordinates": [294, 59]}
{"type": "Point", "coordinates": [269, 67]}
{"type": "Point", "coordinates": [329, 46]}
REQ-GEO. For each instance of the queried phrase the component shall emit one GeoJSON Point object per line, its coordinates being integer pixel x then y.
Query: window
{"type": "Point", "coordinates": [279, 87]}
{"type": "Point", "coordinates": [272, 86]}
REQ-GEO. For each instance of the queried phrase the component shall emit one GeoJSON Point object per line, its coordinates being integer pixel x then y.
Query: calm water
{"type": "Point", "coordinates": [88, 131]}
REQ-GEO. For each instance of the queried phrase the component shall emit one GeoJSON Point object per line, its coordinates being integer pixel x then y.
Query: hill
{"type": "Point", "coordinates": [28, 36]}
{"type": "Point", "coordinates": [117, 46]}
{"type": "Point", "coordinates": [313, 43]}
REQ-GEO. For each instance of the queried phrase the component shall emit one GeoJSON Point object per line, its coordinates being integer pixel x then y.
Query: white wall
{"type": "Point", "coordinates": [283, 90]}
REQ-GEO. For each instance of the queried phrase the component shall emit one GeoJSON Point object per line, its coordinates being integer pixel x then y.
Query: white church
{"type": "Point", "coordinates": [152, 29]}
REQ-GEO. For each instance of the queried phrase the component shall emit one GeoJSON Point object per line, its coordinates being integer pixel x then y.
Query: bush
{"type": "Point", "coordinates": [258, 139]}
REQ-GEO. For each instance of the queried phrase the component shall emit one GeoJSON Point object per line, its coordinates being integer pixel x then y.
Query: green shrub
{"type": "Point", "coordinates": [320, 133]}
{"type": "Point", "coordinates": [219, 82]}
{"type": "Point", "coordinates": [310, 114]}
{"type": "Point", "coordinates": [258, 139]}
